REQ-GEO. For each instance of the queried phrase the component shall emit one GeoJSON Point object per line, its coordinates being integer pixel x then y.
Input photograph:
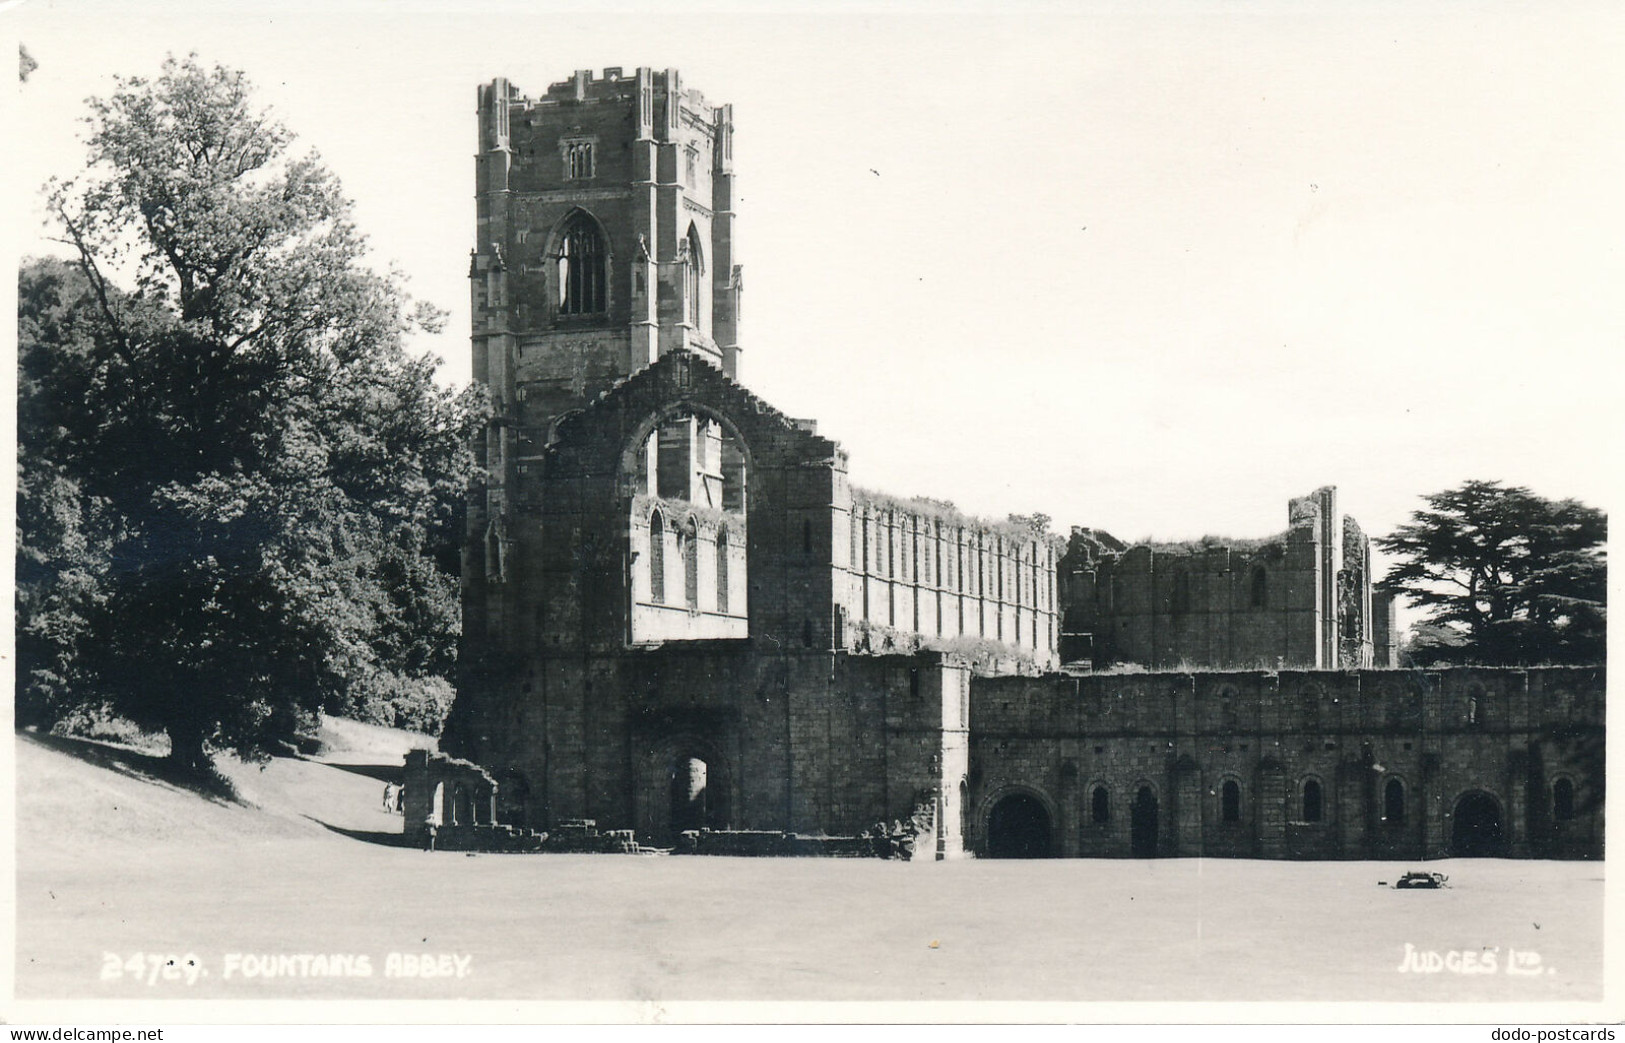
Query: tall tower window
{"type": "Point", "coordinates": [582, 274]}
{"type": "Point", "coordinates": [693, 279]}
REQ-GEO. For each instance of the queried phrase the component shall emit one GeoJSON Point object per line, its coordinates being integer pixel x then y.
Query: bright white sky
{"type": "Point", "coordinates": [1151, 273]}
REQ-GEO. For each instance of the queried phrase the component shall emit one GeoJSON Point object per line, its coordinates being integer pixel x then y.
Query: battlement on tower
{"type": "Point", "coordinates": [614, 87]}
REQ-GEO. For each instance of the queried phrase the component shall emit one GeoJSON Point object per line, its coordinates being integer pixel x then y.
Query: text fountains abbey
{"type": "Point", "coordinates": [684, 624]}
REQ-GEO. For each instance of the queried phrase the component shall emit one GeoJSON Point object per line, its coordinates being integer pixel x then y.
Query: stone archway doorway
{"type": "Point", "coordinates": [1143, 824]}
{"type": "Point", "coordinates": [1019, 827]}
{"type": "Point", "coordinates": [685, 785]}
{"type": "Point", "coordinates": [1476, 830]}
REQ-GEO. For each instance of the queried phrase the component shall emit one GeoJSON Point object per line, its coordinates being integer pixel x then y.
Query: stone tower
{"type": "Point", "coordinates": [604, 241]}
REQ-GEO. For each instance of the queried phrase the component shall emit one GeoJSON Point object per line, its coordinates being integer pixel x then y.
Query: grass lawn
{"type": "Point", "coordinates": [111, 862]}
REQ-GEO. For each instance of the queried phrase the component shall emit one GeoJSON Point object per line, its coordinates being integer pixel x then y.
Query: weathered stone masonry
{"type": "Point", "coordinates": [1392, 755]}
{"type": "Point", "coordinates": [679, 615]}
{"type": "Point", "coordinates": [1299, 599]}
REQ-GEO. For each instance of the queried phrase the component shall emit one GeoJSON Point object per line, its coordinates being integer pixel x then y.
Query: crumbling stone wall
{"type": "Point", "coordinates": [446, 793]}
{"type": "Point", "coordinates": [1302, 598]}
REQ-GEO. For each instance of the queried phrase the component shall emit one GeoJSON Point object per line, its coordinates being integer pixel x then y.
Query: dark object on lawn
{"type": "Point", "coordinates": [1410, 880]}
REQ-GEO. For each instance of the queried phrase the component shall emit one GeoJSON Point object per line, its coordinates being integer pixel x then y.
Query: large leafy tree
{"type": "Point", "coordinates": [224, 388]}
{"type": "Point", "coordinates": [1506, 576]}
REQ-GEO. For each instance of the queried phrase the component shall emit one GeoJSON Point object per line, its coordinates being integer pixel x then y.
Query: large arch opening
{"type": "Point", "coordinates": [1475, 827]}
{"type": "Point", "coordinates": [1143, 824]}
{"type": "Point", "coordinates": [1019, 827]}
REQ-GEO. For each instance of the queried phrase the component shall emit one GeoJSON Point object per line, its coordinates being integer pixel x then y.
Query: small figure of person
{"type": "Point", "coordinates": [389, 796]}
{"type": "Point", "coordinates": [400, 798]}
{"type": "Point", "coordinates": [431, 826]}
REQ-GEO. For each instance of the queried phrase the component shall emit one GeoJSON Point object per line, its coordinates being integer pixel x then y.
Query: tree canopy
{"type": "Point", "coordinates": [240, 493]}
{"type": "Point", "coordinates": [1506, 576]}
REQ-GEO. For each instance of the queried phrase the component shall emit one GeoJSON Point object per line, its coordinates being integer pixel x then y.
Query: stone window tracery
{"type": "Point", "coordinates": [582, 268]}
{"type": "Point", "coordinates": [578, 160]}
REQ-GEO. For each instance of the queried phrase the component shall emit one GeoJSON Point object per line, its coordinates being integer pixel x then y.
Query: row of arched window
{"type": "Point", "coordinates": [687, 546]}
{"type": "Point", "coordinates": [954, 558]}
{"type": "Point", "coordinates": [1311, 801]}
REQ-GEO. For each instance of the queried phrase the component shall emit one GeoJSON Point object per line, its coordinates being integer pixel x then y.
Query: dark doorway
{"type": "Point", "coordinates": [1475, 830]}
{"type": "Point", "coordinates": [1143, 824]}
{"type": "Point", "coordinates": [690, 798]}
{"type": "Point", "coordinates": [1018, 828]}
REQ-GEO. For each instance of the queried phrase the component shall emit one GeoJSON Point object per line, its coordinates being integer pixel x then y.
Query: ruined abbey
{"type": "Point", "coordinates": [683, 621]}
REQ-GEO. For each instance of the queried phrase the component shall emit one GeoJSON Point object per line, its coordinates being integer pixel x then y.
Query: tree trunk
{"type": "Point", "coordinates": [186, 750]}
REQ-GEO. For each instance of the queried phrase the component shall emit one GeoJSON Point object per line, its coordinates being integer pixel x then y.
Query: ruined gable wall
{"type": "Point", "coordinates": [1302, 598]}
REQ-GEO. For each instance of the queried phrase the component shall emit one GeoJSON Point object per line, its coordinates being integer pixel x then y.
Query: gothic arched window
{"type": "Point", "coordinates": [1393, 801]}
{"type": "Point", "coordinates": [1099, 805]}
{"type": "Point", "coordinates": [688, 550]}
{"type": "Point", "coordinates": [657, 558]}
{"type": "Point", "coordinates": [1230, 799]}
{"type": "Point", "coordinates": [722, 570]}
{"type": "Point", "coordinates": [694, 279]}
{"type": "Point", "coordinates": [583, 267]}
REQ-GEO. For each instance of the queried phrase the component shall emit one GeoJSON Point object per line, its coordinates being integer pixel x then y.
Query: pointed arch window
{"type": "Point", "coordinates": [583, 267]}
{"type": "Point", "coordinates": [722, 570]}
{"type": "Point", "coordinates": [688, 550]}
{"type": "Point", "coordinates": [694, 279]}
{"type": "Point", "coordinates": [657, 558]}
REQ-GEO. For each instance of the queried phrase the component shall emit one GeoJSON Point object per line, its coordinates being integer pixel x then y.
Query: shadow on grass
{"type": "Point", "coordinates": [380, 772]}
{"type": "Point", "coordinates": [367, 836]}
{"type": "Point", "coordinates": [136, 765]}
